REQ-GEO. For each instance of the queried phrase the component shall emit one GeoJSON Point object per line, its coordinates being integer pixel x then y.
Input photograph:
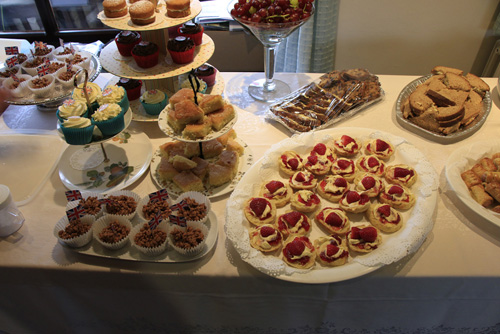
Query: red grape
{"type": "Point", "coordinates": [272, 11]}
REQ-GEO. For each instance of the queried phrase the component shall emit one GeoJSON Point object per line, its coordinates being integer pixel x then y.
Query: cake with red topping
{"type": "Point", "coordinates": [266, 238]}
{"type": "Point", "coordinates": [305, 201]}
{"type": "Point", "coordinates": [277, 191]}
{"type": "Point", "coordinates": [363, 238]}
{"type": "Point", "coordinates": [293, 222]}
{"type": "Point", "coordinates": [368, 184]}
{"type": "Point", "coordinates": [370, 164]}
{"type": "Point", "coordinates": [299, 252]}
{"type": "Point", "coordinates": [332, 187]}
{"type": "Point", "coordinates": [290, 163]}
{"type": "Point", "coordinates": [380, 148]}
{"type": "Point", "coordinates": [385, 218]}
{"type": "Point", "coordinates": [331, 251]}
{"type": "Point", "coordinates": [346, 146]}
{"type": "Point", "coordinates": [398, 196]}
{"type": "Point", "coordinates": [344, 167]}
{"type": "Point", "coordinates": [335, 220]}
{"type": "Point", "coordinates": [354, 201]}
{"type": "Point", "coordinates": [303, 180]}
{"type": "Point", "coordinates": [319, 160]}
{"type": "Point", "coordinates": [260, 211]}
{"type": "Point", "coordinates": [401, 174]}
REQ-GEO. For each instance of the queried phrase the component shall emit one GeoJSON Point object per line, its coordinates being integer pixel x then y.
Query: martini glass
{"type": "Point", "coordinates": [270, 35]}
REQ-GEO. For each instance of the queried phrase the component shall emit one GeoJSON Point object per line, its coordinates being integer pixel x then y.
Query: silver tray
{"type": "Point", "coordinates": [59, 93]}
{"type": "Point", "coordinates": [451, 138]}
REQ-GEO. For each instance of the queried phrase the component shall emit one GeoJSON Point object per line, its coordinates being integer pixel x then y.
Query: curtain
{"type": "Point", "coordinates": [311, 48]}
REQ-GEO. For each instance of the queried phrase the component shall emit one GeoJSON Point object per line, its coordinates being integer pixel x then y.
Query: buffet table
{"type": "Point", "coordinates": [450, 285]}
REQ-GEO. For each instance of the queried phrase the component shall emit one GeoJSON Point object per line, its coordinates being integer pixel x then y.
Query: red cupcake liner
{"type": "Point", "coordinates": [197, 38]}
{"type": "Point", "coordinates": [126, 49]}
{"type": "Point", "coordinates": [183, 57]}
{"type": "Point", "coordinates": [134, 93]}
{"type": "Point", "coordinates": [209, 79]}
{"type": "Point", "coordinates": [147, 61]}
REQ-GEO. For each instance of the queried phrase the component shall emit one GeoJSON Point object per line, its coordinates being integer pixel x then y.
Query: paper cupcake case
{"type": "Point", "coordinates": [154, 251]}
{"type": "Point", "coordinates": [198, 198]}
{"type": "Point", "coordinates": [156, 108]}
{"type": "Point", "coordinates": [104, 222]}
{"type": "Point", "coordinates": [129, 193]}
{"type": "Point", "coordinates": [79, 241]}
{"type": "Point", "coordinates": [66, 84]}
{"type": "Point", "coordinates": [78, 136]}
{"type": "Point", "coordinates": [73, 204]}
{"type": "Point", "coordinates": [60, 49]}
{"type": "Point", "coordinates": [30, 70]}
{"type": "Point", "coordinates": [142, 203]}
{"type": "Point", "coordinates": [44, 91]}
{"type": "Point", "coordinates": [111, 126]}
{"type": "Point", "coordinates": [193, 250]}
{"type": "Point", "coordinates": [22, 89]}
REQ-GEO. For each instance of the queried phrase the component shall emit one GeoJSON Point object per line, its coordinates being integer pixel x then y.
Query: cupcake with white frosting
{"type": "Point", "coordinates": [154, 101]}
{"type": "Point", "coordinates": [114, 94]}
{"type": "Point", "coordinates": [71, 107]}
{"type": "Point", "coordinates": [109, 118]}
{"type": "Point", "coordinates": [77, 130]}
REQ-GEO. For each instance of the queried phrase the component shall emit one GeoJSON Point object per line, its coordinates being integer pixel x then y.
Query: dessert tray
{"type": "Point", "coordinates": [84, 167]}
{"type": "Point", "coordinates": [58, 92]}
{"type": "Point", "coordinates": [167, 129]}
{"type": "Point", "coordinates": [462, 159]}
{"type": "Point", "coordinates": [453, 137]}
{"type": "Point", "coordinates": [162, 21]}
{"type": "Point", "coordinates": [130, 253]}
{"type": "Point", "coordinates": [418, 221]}
{"type": "Point", "coordinates": [244, 164]}
{"type": "Point", "coordinates": [115, 63]}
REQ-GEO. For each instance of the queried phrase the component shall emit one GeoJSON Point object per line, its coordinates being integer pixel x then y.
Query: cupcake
{"type": "Point", "coordinates": [77, 130]}
{"type": "Point", "coordinates": [112, 231]}
{"type": "Point", "coordinates": [7, 72]}
{"type": "Point", "coordinates": [81, 59]}
{"type": "Point", "coordinates": [55, 66]}
{"type": "Point", "coordinates": [146, 54]}
{"type": "Point", "coordinates": [41, 86]}
{"type": "Point", "coordinates": [77, 233]}
{"type": "Point", "coordinates": [93, 92]}
{"type": "Point", "coordinates": [66, 77]}
{"type": "Point", "coordinates": [109, 118]}
{"type": "Point", "coordinates": [91, 203]}
{"type": "Point", "coordinates": [122, 203]}
{"type": "Point", "coordinates": [206, 73]}
{"type": "Point", "coordinates": [154, 101]}
{"type": "Point", "coordinates": [17, 88]}
{"type": "Point", "coordinates": [150, 241]}
{"type": "Point", "coordinates": [30, 65]}
{"type": "Point", "coordinates": [126, 40]}
{"type": "Point", "coordinates": [70, 108]}
{"type": "Point", "coordinates": [132, 87]}
{"type": "Point", "coordinates": [114, 94]}
{"type": "Point", "coordinates": [21, 58]}
{"type": "Point", "coordinates": [181, 49]}
{"type": "Point", "coordinates": [44, 52]}
{"type": "Point", "coordinates": [193, 31]}
{"type": "Point", "coordinates": [61, 53]}
{"type": "Point", "coordinates": [197, 83]}
{"type": "Point", "coordinates": [188, 240]}
{"type": "Point", "coordinates": [196, 206]}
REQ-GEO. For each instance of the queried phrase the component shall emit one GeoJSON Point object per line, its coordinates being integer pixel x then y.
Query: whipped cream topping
{"type": "Point", "coordinates": [71, 107]}
{"type": "Point", "coordinates": [153, 96]}
{"type": "Point", "coordinates": [106, 112]}
{"type": "Point", "coordinates": [93, 91]}
{"type": "Point", "coordinates": [111, 94]}
{"type": "Point", "coordinates": [76, 122]}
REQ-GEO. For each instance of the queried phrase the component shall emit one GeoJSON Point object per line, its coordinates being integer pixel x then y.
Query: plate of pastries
{"type": "Point", "coordinates": [447, 105]}
{"type": "Point", "coordinates": [473, 172]}
{"type": "Point", "coordinates": [332, 205]}
{"type": "Point", "coordinates": [330, 99]}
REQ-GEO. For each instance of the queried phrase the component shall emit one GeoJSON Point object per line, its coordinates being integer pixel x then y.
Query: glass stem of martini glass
{"type": "Point", "coordinates": [269, 66]}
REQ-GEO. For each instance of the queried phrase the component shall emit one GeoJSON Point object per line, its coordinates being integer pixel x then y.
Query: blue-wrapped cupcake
{"type": "Point", "coordinates": [77, 130]}
{"type": "Point", "coordinates": [114, 94]}
{"type": "Point", "coordinates": [109, 118]}
{"type": "Point", "coordinates": [71, 107]}
{"type": "Point", "coordinates": [154, 101]}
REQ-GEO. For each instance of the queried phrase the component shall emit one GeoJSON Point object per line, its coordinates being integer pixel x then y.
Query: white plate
{"type": "Point", "coordinates": [129, 252]}
{"type": "Point", "coordinates": [245, 162]}
{"type": "Point", "coordinates": [417, 221]}
{"type": "Point", "coordinates": [82, 167]}
{"type": "Point", "coordinates": [452, 137]}
{"type": "Point", "coordinates": [462, 159]}
{"type": "Point", "coordinates": [167, 129]}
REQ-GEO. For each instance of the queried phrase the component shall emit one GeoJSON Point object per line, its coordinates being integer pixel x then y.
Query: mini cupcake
{"type": "Point", "coordinates": [7, 72]}
{"type": "Point", "coordinates": [154, 101]}
{"type": "Point", "coordinates": [91, 203]}
{"type": "Point", "coordinates": [196, 82]}
{"type": "Point", "coordinates": [93, 92]}
{"type": "Point", "coordinates": [122, 203]}
{"type": "Point", "coordinates": [126, 40]}
{"type": "Point", "coordinates": [61, 53]}
{"type": "Point", "coordinates": [65, 77]}
{"type": "Point", "coordinates": [30, 65]}
{"type": "Point", "coordinates": [181, 49]}
{"type": "Point", "coordinates": [41, 86]}
{"type": "Point", "coordinates": [146, 54]}
{"type": "Point", "coordinates": [21, 58]}
{"type": "Point", "coordinates": [71, 107]}
{"type": "Point", "coordinates": [112, 232]}
{"type": "Point", "coordinates": [206, 73]}
{"type": "Point", "coordinates": [55, 66]}
{"type": "Point", "coordinates": [150, 241]}
{"type": "Point", "coordinates": [188, 240]}
{"type": "Point", "coordinates": [74, 234]}
{"type": "Point", "coordinates": [45, 52]}
{"type": "Point", "coordinates": [197, 206]}
{"type": "Point", "coordinates": [81, 59]}
{"type": "Point", "coordinates": [77, 130]}
{"type": "Point", "coordinates": [193, 31]}
{"type": "Point", "coordinates": [114, 94]}
{"type": "Point", "coordinates": [132, 87]}
{"type": "Point", "coordinates": [146, 209]}
{"type": "Point", "coordinates": [109, 118]}
{"type": "Point", "coordinates": [17, 88]}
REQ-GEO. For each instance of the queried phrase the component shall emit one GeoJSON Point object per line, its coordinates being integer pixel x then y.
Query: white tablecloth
{"type": "Point", "coordinates": [450, 285]}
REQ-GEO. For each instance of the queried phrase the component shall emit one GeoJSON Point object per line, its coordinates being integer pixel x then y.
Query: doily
{"type": "Point", "coordinates": [417, 221]}
{"type": "Point", "coordinates": [86, 158]}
